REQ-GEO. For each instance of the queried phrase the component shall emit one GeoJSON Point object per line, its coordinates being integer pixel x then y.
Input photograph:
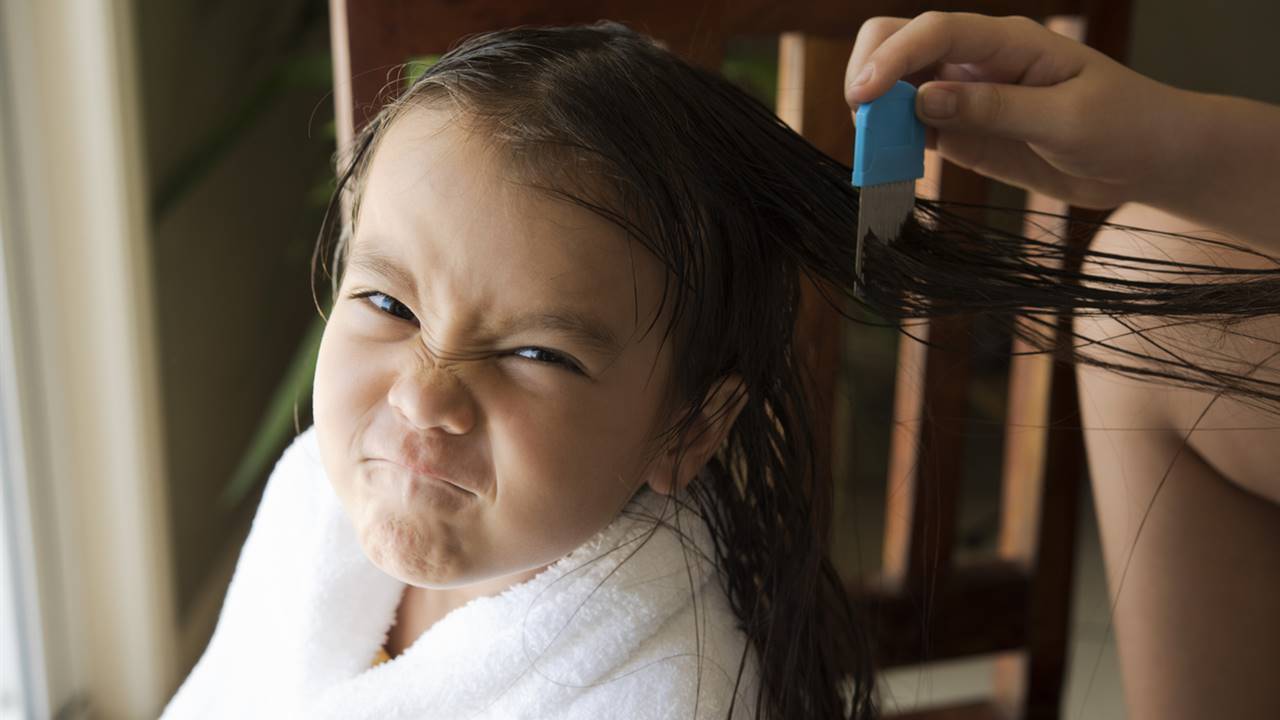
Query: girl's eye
{"type": "Point", "coordinates": [395, 308]}
{"type": "Point", "coordinates": [387, 304]}
{"type": "Point", "coordinates": [553, 358]}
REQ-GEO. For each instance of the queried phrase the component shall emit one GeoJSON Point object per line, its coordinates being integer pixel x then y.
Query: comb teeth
{"type": "Point", "coordinates": [882, 209]}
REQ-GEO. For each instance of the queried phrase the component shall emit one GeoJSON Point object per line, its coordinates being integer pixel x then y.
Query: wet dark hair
{"type": "Point", "coordinates": [738, 208]}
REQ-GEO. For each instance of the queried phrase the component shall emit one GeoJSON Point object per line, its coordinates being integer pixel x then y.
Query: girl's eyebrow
{"type": "Point", "coordinates": [585, 328]}
{"type": "Point", "coordinates": [379, 264]}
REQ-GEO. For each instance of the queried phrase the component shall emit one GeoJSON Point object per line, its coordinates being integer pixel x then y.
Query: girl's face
{"type": "Point", "coordinates": [539, 428]}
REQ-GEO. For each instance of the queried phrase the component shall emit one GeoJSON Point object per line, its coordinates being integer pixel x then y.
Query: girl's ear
{"type": "Point", "coordinates": [707, 434]}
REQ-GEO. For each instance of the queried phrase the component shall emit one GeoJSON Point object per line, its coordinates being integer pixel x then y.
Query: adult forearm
{"type": "Point", "coordinates": [1222, 168]}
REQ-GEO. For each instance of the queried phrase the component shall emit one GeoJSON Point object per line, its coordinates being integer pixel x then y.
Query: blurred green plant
{"type": "Point", "coordinates": [278, 420]}
{"type": "Point", "coordinates": [302, 71]}
{"type": "Point", "coordinates": [416, 66]}
{"type": "Point", "coordinates": [751, 63]}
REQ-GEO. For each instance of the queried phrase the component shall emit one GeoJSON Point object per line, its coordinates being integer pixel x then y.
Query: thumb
{"type": "Point", "coordinates": [1016, 112]}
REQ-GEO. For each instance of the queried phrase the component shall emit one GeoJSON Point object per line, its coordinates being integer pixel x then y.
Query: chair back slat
{"type": "Point", "coordinates": [926, 454]}
{"type": "Point", "coordinates": [1038, 508]}
{"type": "Point", "coordinates": [809, 99]}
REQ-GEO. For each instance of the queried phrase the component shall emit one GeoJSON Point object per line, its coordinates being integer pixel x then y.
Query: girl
{"type": "Point", "coordinates": [561, 459]}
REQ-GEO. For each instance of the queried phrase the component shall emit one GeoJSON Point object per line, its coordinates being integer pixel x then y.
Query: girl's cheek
{"type": "Point", "coordinates": [347, 375]}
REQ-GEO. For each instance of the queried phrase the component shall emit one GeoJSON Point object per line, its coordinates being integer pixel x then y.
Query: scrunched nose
{"type": "Point", "coordinates": [430, 395]}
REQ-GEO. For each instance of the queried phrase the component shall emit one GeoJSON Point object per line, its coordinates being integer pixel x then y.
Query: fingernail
{"type": "Point", "coordinates": [863, 76]}
{"type": "Point", "coordinates": [938, 103]}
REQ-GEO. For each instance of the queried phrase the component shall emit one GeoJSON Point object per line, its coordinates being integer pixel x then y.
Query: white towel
{"type": "Point", "coordinates": [306, 612]}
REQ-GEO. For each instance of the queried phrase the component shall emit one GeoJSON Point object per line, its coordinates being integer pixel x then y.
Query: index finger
{"type": "Point", "coordinates": [871, 34]}
{"type": "Point", "coordinates": [1009, 44]}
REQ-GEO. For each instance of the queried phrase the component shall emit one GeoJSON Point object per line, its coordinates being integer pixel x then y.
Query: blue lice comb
{"type": "Point", "coordinates": [888, 156]}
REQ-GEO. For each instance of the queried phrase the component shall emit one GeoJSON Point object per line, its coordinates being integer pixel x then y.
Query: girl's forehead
{"type": "Point", "coordinates": [433, 168]}
{"type": "Point", "coordinates": [440, 203]}
{"type": "Point", "coordinates": [426, 155]}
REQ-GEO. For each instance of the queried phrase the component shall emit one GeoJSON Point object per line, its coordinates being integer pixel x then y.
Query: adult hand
{"type": "Point", "coordinates": [1010, 99]}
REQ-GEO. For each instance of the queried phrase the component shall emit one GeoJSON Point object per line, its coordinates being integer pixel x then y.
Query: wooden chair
{"type": "Point", "coordinates": [1016, 603]}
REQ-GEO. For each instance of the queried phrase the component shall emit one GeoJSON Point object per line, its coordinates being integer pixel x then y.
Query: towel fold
{"type": "Point", "coordinates": [626, 625]}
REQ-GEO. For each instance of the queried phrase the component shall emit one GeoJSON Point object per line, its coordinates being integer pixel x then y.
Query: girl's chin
{"type": "Point", "coordinates": [409, 547]}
